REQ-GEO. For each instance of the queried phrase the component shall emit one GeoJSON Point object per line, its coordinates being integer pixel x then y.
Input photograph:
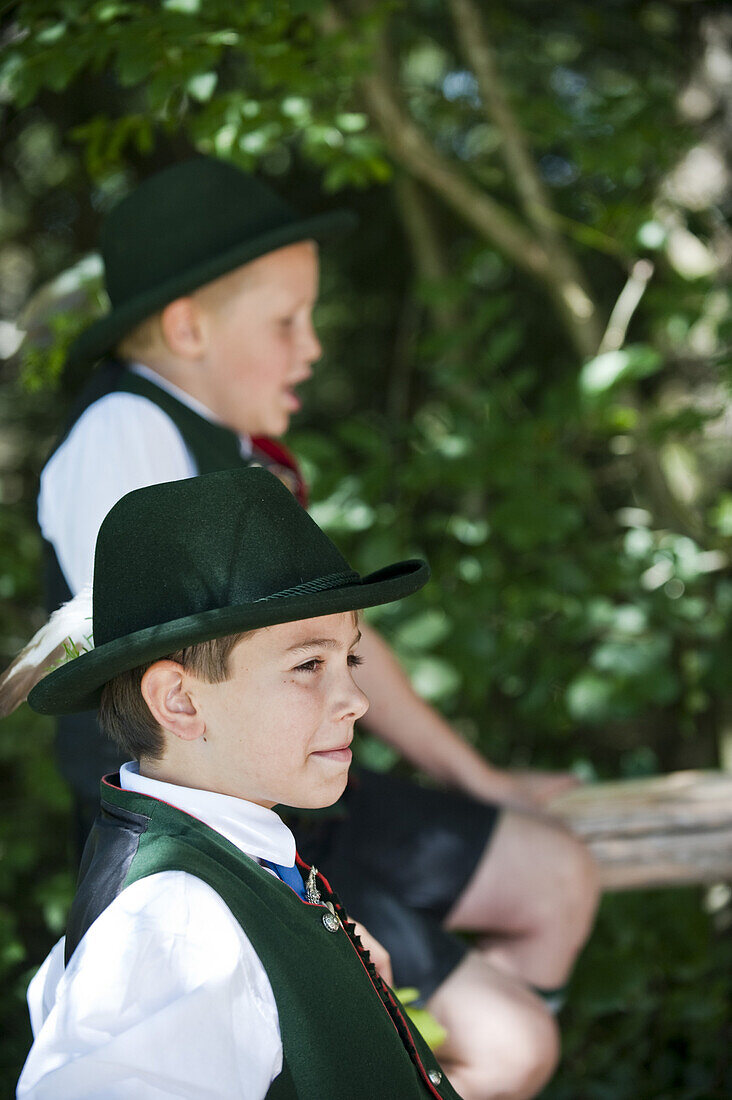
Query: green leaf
{"type": "Point", "coordinates": [11, 76]}
{"type": "Point", "coordinates": [433, 678]}
{"type": "Point", "coordinates": [471, 532]}
{"type": "Point", "coordinates": [423, 631]}
{"type": "Point", "coordinates": [429, 1028]}
{"type": "Point", "coordinates": [374, 754]}
{"type": "Point", "coordinates": [295, 107]}
{"type": "Point", "coordinates": [224, 138]}
{"type": "Point", "coordinates": [633, 659]}
{"type": "Point", "coordinates": [109, 12]}
{"type": "Point", "coordinates": [651, 235]}
{"type": "Point", "coordinates": [185, 7]}
{"type": "Point", "coordinates": [601, 374]}
{"type": "Point", "coordinates": [721, 515]}
{"type": "Point", "coordinates": [202, 86]}
{"type": "Point", "coordinates": [590, 698]}
{"type": "Point", "coordinates": [49, 35]}
{"type": "Point", "coordinates": [352, 122]}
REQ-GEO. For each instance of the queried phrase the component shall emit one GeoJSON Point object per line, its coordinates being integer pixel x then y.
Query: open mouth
{"type": "Point", "coordinates": [290, 390]}
{"type": "Point", "coordinates": [292, 400]}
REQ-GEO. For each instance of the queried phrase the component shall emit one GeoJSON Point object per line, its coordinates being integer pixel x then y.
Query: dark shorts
{"type": "Point", "coordinates": [399, 855]}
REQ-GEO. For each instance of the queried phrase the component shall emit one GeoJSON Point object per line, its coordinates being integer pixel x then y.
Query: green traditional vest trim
{"type": "Point", "coordinates": [344, 1034]}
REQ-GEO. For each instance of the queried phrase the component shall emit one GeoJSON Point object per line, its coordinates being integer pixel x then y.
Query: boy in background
{"type": "Point", "coordinates": [212, 280]}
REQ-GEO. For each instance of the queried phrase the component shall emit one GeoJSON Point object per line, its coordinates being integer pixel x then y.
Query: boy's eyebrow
{"type": "Point", "coordinates": [323, 643]}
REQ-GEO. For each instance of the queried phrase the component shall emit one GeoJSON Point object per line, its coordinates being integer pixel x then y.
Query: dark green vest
{"type": "Point", "coordinates": [344, 1035]}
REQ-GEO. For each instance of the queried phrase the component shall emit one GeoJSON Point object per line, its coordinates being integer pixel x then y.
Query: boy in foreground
{"type": "Point", "coordinates": [213, 281]}
{"type": "Point", "coordinates": [202, 958]}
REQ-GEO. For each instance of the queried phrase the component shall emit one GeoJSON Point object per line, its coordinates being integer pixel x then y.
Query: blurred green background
{"type": "Point", "coordinates": [526, 379]}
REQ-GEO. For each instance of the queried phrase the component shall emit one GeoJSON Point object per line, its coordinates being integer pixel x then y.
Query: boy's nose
{"type": "Point", "coordinates": [312, 349]}
{"type": "Point", "coordinates": [356, 704]}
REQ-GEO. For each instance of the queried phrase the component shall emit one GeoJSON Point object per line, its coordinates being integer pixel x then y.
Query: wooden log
{"type": "Point", "coordinates": [664, 831]}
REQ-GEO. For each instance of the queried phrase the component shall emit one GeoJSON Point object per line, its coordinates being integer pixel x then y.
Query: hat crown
{"type": "Point", "coordinates": [181, 217]}
{"type": "Point", "coordinates": [184, 548]}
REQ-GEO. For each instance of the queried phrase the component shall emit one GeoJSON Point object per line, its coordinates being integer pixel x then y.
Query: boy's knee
{"type": "Point", "coordinates": [512, 1061]}
{"type": "Point", "coordinates": [569, 895]}
{"type": "Point", "coordinates": [530, 1062]}
{"type": "Point", "coordinates": [503, 1043]}
{"type": "Point", "coordinates": [579, 891]}
{"type": "Point", "coordinates": [545, 1045]}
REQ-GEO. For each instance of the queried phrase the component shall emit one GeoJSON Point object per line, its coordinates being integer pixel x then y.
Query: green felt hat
{"type": "Point", "coordinates": [187, 561]}
{"type": "Point", "coordinates": [182, 228]}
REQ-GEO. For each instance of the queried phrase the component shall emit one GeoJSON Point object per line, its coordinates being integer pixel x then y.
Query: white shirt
{"type": "Point", "coordinates": [120, 443]}
{"type": "Point", "coordinates": [164, 995]}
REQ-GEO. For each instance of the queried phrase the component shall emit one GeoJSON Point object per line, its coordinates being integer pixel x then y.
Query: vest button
{"type": "Point", "coordinates": [435, 1076]}
{"type": "Point", "coordinates": [331, 922]}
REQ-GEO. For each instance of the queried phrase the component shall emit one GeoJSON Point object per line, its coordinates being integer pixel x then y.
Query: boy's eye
{"type": "Point", "coordinates": [309, 666]}
{"type": "Point", "coordinates": [314, 662]}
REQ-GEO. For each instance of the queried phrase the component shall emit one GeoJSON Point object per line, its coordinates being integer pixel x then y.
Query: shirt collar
{"type": "Point", "coordinates": [253, 829]}
{"type": "Point", "coordinates": [245, 442]}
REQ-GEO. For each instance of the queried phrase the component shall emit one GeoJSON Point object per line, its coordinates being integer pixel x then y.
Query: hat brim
{"type": "Point", "coordinates": [103, 335]}
{"type": "Point", "coordinates": [77, 685]}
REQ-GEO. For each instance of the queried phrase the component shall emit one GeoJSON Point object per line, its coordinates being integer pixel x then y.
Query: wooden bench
{"type": "Point", "coordinates": [669, 830]}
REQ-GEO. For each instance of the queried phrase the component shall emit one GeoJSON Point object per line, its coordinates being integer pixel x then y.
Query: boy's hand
{"type": "Point", "coordinates": [528, 791]}
{"type": "Point", "coordinates": [380, 957]}
{"type": "Point", "coordinates": [399, 717]}
{"type": "Point", "coordinates": [543, 787]}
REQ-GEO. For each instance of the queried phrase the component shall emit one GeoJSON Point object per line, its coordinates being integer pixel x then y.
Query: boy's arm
{"type": "Point", "coordinates": [120, 443]}
{"type": "Point", "coordinates": [163, 986]}
{"type": "Point", "coordinates": [398, 716]}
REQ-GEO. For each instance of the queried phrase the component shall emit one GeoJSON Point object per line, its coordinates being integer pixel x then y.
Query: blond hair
{"type": "Point", "coordinates": [147, 338]}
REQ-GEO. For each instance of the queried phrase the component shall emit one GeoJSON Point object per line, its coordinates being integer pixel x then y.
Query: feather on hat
{"type": "Point", "coordinates": [67, 632]}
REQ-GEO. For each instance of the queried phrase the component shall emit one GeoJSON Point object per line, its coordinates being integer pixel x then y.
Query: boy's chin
{"type": "Point", "coordinates": [278, 426]}
{"type": "Point", "coordinates": [272, 428]}
{"type": "Point", "coordinates": [319, 800]}
{"type": "Point", "coordinates": [269, 423]}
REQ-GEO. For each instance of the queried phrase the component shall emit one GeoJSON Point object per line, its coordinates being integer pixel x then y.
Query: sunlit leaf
{"type": "Point", "coordinates": [613, 367]}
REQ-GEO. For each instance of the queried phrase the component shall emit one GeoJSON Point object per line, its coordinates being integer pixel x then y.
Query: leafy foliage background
{"type": "Point", "coordinates": [574, 501]}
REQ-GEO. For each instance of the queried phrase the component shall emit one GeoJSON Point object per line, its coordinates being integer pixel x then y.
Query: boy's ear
{"type": "Point", "coordinates": [163, 688]}
{"type": "Point", "coordinates": [182, 328]}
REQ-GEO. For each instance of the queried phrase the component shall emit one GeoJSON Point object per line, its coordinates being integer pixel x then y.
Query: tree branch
{"type": "Point", "coordinates": [626, 305]}
{"type": "Point", "coordinates": [413, 150]}
{"type": "Point", "coordinates": [480, 56]}
{"type": "Point", "coordinates": [541, 255]}
{"type": "Point", "coordinates": [409, 146]}
{"type": "Point", "coordinates": [568, 284]}
{"type": "Point", "coordinates": [426, 246]}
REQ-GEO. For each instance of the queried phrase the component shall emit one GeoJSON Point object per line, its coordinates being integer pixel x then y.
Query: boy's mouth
{"type": "Point", "coordinates": [341, 755]}
{"type": "Point", "coordinates": [292, 400]}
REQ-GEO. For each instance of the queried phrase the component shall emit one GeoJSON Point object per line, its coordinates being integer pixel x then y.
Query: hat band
{"type": "Point", "coordinates": [320, 584]}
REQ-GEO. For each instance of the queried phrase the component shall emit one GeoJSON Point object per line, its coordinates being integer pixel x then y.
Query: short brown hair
{"type": "Point", "coordinates": [125, 716]}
